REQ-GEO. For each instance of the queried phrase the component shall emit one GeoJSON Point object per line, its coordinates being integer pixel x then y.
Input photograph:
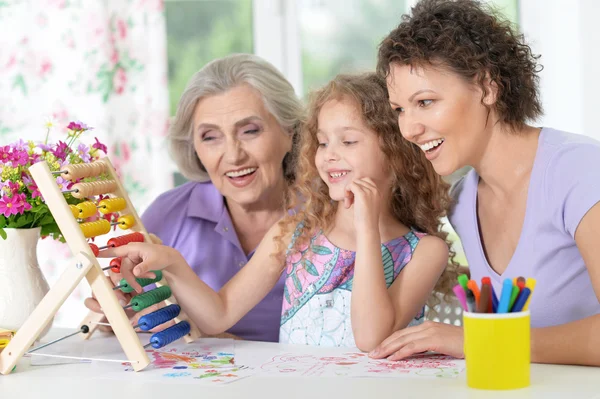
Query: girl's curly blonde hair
{"type": "Point", "coordinates": [419, 196]}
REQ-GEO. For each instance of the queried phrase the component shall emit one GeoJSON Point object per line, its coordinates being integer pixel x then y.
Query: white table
{"type": "Point", "coordinates": [76, 381]}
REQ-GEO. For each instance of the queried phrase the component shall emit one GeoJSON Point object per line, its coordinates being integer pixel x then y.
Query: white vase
{"type": "Point", "coordinates": [22, 284]}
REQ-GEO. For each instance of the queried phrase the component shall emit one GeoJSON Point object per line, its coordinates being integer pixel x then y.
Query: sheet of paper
{"type": "Point", "coordinates": [207, 361]}
{"type": "Point", "coordinates": [301, 361]}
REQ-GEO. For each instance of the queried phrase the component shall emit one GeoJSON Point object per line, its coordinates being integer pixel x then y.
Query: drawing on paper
{"type": "Point", "coordinates": [360, 365]}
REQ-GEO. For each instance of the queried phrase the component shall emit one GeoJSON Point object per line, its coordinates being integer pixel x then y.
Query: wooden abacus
{"type": "Point", "coordinates": [86, 265]}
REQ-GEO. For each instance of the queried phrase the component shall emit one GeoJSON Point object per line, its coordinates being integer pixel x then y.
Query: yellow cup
{"type": "Point", "coordinates": [497, 350]}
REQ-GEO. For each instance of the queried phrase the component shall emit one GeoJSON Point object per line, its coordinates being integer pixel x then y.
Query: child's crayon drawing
{"type": "Point", "coordinates": [356, 364]}
{"type": "Point", "coordinates": [209, 361]}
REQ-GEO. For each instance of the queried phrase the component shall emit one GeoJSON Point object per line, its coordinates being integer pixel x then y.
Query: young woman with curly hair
{"type": "Point", "coordinates": [464, 86]}
{"type": "Point", "coordinates": [363, 252]}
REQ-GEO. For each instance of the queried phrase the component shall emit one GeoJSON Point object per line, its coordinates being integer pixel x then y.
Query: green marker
{"type": "Point", "coordinates": [513, 296]}
{"type": "Point", "coordinates": [463, 280]}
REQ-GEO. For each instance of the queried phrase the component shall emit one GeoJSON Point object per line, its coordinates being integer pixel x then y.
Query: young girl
{"type": "Point", "coordinates": [363, 253]}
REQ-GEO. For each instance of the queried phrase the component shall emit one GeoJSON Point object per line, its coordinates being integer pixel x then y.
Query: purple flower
{"type": "Point", "coordinates": [61, 150]}
{"type": "Point", "coordinates": [98, 145]}
{"type": "Point", "coordinates": [8, 206]}
{"type": "Point", "coordinates": [20, 145]}
{"type": "Point", "coordinates": [45, 147]}
{"type": "Point", "coordinates": [84, 152]}
{"type": "Point", "coordinates": [62, 183]}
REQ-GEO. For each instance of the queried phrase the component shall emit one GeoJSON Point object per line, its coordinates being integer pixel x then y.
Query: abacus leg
{"type": "Point", "coordinates": [43, 313]}
{"type": "Point", "coordinates": [119, 322]}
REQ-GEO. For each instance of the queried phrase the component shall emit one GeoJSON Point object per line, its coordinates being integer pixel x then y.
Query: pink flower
{"type": "Point", "coordinates": [45, 67]}
{"type": "Point", "coordinates": [20, 158]}
{"type": "Point", "coordinates": [122, 29]}
{"type": "Point", "coordinates": [35, 192]}
{"type": "Point", "coordinates": [21, 203]}
{"type": "Point", "coordinates": [126, 152]}
{"type": "Point", "coordinates": [119, 81]}
{"type": "Point", "coordinates": [5, 154]}
{"type": "Point", "coordinates": [7, 206]}
{"type": "Point", "coordinates": [13, 187]}
{"type": "Point", "coordinates": [98, 145]}
{"type": "Point", "coordinates": [61, 150]}
{"type": "Point", "coordinates": [114, 57]}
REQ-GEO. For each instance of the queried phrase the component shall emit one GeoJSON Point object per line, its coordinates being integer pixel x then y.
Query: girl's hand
{"type": "Point", "coordinates": [138, 259]}
{"type": "Point", "coordinates": [429, 336]}
{"type": "Point", "coordinates": [364, 196]}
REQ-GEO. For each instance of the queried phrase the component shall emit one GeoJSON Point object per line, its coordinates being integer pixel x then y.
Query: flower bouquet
{"type": "Point", "coordinates": [21, 204]}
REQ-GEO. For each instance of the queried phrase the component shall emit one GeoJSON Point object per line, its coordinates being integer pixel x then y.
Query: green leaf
{"type": "Point", "coordinates": [296, 281]}
{"type": "Point", "coordinates": [310, 267]}
{"type": "Point", "coordinates": [48, 219]}
{"type": "Point", "coordinates": [2, 221]}
{"type": "Point", "coordinates": [320, 250]}
{"type": "Point", "coordinates": [286, 294]}
{"type": "Point", "coordinates": [3, 234]}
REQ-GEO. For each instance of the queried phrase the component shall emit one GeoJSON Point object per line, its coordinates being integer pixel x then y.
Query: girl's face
{"type": "Point", "coordinates": [348, 149]}
{"type": "Point", "coordinates": [442, 114]}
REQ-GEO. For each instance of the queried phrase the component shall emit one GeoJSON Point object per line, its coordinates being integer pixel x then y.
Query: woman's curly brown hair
{"type": "Point", "coordinates": [472, 40]}
{"type": "Point", "coordinates": [419, 195]}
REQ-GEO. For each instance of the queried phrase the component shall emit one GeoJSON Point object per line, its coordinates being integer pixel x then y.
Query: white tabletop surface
{"type": "Point", "coordinates": [78, 381]}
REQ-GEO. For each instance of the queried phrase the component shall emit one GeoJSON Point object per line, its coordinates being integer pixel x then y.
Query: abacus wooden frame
{"type": "Point", "coordinates": [87, 266]}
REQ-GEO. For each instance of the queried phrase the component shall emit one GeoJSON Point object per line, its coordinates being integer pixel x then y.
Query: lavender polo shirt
{"type": "Point", "coordinates": [193, 219]}
{"type": "Point", "coordinates": [564, 185]}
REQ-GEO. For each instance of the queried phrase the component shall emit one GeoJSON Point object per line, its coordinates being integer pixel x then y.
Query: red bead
{"type": "Point", "coordinates": [115, 265]}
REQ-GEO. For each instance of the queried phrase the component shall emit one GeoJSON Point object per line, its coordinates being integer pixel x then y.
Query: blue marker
{"type": "Point", "coordinates": [494, 300]}
{"type": "Point", "coordinates": [504, 303]}
{"type": "Point", "coordinates": [521, 300]}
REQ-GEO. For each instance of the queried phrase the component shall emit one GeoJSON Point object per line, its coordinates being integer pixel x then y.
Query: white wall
{"type": "Point", "coordinates": [565, 33]}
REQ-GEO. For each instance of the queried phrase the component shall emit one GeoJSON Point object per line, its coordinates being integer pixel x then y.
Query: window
{"type": "Point", "coordinates": [199, 31]}
{"type": "Point", "coordinates": [340, 36]}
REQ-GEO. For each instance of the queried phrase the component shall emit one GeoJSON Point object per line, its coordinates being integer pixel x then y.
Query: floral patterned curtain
{"type": "Point", "coordinates": [103, 63]}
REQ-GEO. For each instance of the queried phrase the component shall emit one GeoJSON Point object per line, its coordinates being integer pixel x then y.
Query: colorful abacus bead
{"type": "Point", "coordinates": [126, 288]}
{"type": "Point", "coordinates": [94, 249]}
{"type": "Point", "coordinates": [126, 222]}
{"type": "Point", "coordinates": [79, 171]}
{"type": "Point", "coordinates": [74, 211]}
{"type": "Point", "coordinates": [112, 205]}
{"type": "Point", "coordinates": [168, 335]}
{"type": "Point", "coordinates": [127, 238]}
{"type": "Point", "coordinates": [85, 190]}
{"type": "Point", "coordinates": [142, 301]}
{"type": "Point", "coordinates": [158, 317]}
{"type": "Point", "coordinates": [94, 229]}
{"type": "Point", "coordinates": [115, 265]}
{"type": "Point", "coordinates": [86, 209]}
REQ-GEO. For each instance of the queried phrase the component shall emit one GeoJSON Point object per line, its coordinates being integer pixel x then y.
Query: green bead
{"type": "Point", "coordinates": [126, 288]}
{"type": "Point", "coordinates": [142, 301]}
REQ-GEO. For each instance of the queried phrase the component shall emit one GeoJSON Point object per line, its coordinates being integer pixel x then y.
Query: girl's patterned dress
{"type": "Point", "coordinates": [318, 288]}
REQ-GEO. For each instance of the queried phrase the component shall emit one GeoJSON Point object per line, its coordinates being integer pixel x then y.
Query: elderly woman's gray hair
{"type": "Point", "coordinates": [217, 77]}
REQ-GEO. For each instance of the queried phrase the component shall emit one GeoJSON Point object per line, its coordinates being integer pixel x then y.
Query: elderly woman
{"type": "Point", "coordinates": [232, 137]}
